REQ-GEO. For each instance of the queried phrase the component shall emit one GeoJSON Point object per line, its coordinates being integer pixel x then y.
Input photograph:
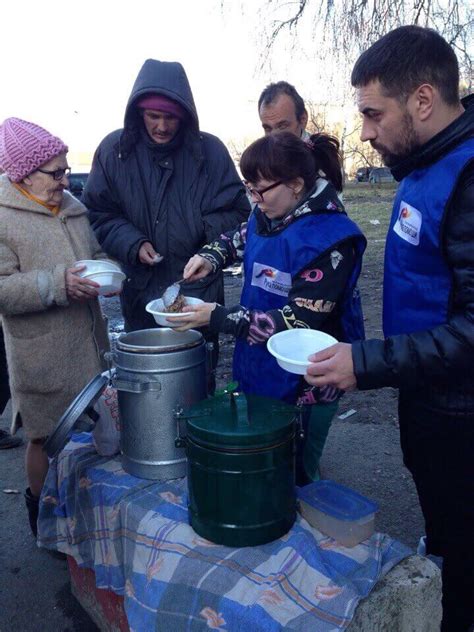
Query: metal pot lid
{"type": "Point", "coordinates": [158, 340]}
{"type": "Point", "coordinates": [234, 420]}
{"type": "Point", "coordinates": [71, 420]}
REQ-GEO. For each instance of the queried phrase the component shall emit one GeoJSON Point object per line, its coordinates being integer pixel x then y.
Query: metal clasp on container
{"type": "Point", "coordinates": [180, 441]}
{"type": "Point", "coordinates": [210, 368]}
{"type": "Point", "coordinates": [299, 423]}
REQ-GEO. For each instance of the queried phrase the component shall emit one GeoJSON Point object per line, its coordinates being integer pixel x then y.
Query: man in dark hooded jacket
{"type": "Point", "coordinates": [160, 189]}
{"type": "Point", "coordinates": [407, 88]}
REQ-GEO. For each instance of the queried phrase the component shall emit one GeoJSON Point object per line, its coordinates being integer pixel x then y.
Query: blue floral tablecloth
{"type": "Point", "coordinates": [134, 534]}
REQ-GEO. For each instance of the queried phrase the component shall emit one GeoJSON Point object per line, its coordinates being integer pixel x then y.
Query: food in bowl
{"type": "Point", "coordinates": [177, 306]}
{"type": "Point", "coordinates": [169, 319]}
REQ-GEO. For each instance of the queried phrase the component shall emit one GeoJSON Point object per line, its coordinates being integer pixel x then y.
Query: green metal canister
{"type": "Point", "coordinates": [241, 475]}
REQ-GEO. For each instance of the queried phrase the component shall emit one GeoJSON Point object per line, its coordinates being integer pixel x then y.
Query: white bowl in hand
{"type": "Point", "coordinates": [156, 309]}
{"type": "Point", "coordinates": [293, 347]}
{"type": "Point", "coordinates": [109, 280]}
{"type": "Point", "coordinates": [95, 265]}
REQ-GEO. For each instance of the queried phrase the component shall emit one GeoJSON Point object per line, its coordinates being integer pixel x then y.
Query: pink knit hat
{"type": "Point", "coordinates": [25, 146]}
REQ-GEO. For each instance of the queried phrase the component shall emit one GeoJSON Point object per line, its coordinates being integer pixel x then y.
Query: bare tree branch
{"type": "Point", "coordinates": [346, 27]}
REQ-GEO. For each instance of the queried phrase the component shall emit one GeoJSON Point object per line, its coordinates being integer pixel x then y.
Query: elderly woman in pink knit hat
{"type": "Point", "coordinates": [54, 330]}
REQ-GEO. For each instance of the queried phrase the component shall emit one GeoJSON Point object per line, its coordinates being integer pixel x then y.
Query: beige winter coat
{"type": "Point", "coordinates": [54, 346]}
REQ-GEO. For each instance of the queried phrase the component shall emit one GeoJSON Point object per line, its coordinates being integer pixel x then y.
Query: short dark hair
{"type": "Point", "coordinates": [284, 156]}
{"type": "Point", "coordinates": [274, 90]}
{"type": "Point", "coordinates": [407, 57]}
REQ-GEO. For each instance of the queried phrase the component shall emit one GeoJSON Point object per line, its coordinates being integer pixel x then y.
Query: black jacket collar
{"type": "Point", "coordinates": [458, 131]}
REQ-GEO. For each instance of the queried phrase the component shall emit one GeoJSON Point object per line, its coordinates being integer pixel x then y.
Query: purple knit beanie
{"type": "Point", "coordinates": [162, 103]}
{"type": "Point", "coordinates": [25, 146]}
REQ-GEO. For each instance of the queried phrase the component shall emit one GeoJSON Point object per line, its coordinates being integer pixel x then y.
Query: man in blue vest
{"type": "Point", "coordinates": [407, 87]}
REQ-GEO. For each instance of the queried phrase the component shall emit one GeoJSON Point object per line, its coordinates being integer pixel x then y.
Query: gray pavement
{"type": "Point", "coordinates": [34, 586]}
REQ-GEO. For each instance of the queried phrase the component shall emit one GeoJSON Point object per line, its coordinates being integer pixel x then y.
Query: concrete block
{"type": "Point", "coordinates": [407, 599]}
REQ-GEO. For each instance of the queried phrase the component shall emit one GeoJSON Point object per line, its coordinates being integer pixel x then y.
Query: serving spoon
{"type": "Point", "coordinates": [171, 293]}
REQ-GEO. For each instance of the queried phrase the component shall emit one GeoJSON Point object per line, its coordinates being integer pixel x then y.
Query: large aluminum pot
{"type": "Point", "coordinates": [157, 373]}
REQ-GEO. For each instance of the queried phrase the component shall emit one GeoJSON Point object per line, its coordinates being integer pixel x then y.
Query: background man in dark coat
{"type": "Point", "coordinates": [407, 88]}
{"type": "Point", "coordinates": [160, 188]}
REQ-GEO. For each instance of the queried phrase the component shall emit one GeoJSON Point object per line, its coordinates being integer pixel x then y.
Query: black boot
{"type": "Point", "coordinates": [7, 441]}
{"type": "Point", "coordinates": [32, 504]}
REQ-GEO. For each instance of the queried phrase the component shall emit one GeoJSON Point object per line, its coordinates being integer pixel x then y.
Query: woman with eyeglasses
{"type": "Point", "coordinates": [54, 330]}
{"type": "Point", "coordinates": [302, 257]}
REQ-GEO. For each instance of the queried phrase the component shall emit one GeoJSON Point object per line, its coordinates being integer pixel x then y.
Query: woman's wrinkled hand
{"type": "Point", "coordinates": [200, 316]}
{"type": "Point", "coordinates": [197, 268]}
{"type": "Point", "coordinates": [79, 289]}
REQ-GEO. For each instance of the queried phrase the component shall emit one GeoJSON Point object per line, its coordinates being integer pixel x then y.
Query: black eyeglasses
{"type": "Point", "coordinates": [57, 174]}
{"type": "Point", "coordinates": [257, 194]}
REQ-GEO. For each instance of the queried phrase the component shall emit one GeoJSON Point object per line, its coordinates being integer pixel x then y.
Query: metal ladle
{"type": "Point", "coordinates": [171, 293]}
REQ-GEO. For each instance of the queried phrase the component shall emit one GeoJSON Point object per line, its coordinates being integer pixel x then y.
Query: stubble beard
{"type": "Point", "coordinates": [402, 148]}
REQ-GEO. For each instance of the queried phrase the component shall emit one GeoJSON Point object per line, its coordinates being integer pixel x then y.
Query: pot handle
{"type": "Point", "coordinates": [135, 387]}
{"type": "Point", "coordinates": [109, 357]}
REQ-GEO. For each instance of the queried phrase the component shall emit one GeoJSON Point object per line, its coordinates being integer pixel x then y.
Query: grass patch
{"type": "Point", "coordinates": [365, 202]}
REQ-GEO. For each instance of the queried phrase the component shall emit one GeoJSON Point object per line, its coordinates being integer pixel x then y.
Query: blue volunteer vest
{"type": "Point", "coordinates": [270, 263]}
{"type": "Point", "coordinates": [417, 280]}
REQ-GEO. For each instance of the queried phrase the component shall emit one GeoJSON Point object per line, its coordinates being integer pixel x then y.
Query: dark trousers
{"type": "Point", "coordinates": [317, 421]}
{"type": "Point", "coordinates": [4, 386]}
{"type": "Point", "coordinates": [438, 449]}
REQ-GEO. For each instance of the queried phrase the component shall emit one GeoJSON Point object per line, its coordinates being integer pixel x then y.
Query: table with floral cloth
{"type": "Point", "coordinates": [134, 534]}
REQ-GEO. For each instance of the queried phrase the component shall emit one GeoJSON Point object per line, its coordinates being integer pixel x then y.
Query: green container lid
{"type": "Point", "coordinates": [239, 421]}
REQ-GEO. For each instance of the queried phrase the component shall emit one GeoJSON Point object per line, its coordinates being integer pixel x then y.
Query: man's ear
{"type": "Point", "coordinates": [423, 100]}
{"type": "Point", "coordinates": [27, 181]}
{"type": "Point", "coordinates": [304, 120]}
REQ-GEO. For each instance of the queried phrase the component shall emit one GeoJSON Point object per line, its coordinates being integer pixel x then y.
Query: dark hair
{"type": "Point", "coordinates": [284, 156]}
{"type": "Point", "coordinates": [274, 90]}
{"type": "Point", "coordinates": [406, 58]}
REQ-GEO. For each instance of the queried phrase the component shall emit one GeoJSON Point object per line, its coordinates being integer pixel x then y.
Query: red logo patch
{"type": "Point", "coordinates": [268, 272]}
{"type": "Point", "coordinates": [405, 213]}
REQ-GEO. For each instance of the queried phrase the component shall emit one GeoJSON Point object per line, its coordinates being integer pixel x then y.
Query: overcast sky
{"type": "Point", "coordinates": [70, 66]}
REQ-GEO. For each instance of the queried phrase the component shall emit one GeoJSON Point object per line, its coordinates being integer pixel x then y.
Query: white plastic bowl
{"type": "Point", "coordinates": [109, 281]}
{"type": "Point", "coordinates": [96, 265]}
{"type": "Point", "coordinates": [291, 348]}
{"type": "Point", "coordinates": [156, 308]}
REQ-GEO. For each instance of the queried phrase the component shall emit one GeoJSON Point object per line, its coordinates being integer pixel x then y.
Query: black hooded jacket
{"type": "Point", "coordinates": [435, 365]}
{"type": "Point", "coordinates": [178, 200]}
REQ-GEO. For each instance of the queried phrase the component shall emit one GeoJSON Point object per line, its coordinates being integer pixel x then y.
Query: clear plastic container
{"type": "Point", "coordinates": [337, 511]}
